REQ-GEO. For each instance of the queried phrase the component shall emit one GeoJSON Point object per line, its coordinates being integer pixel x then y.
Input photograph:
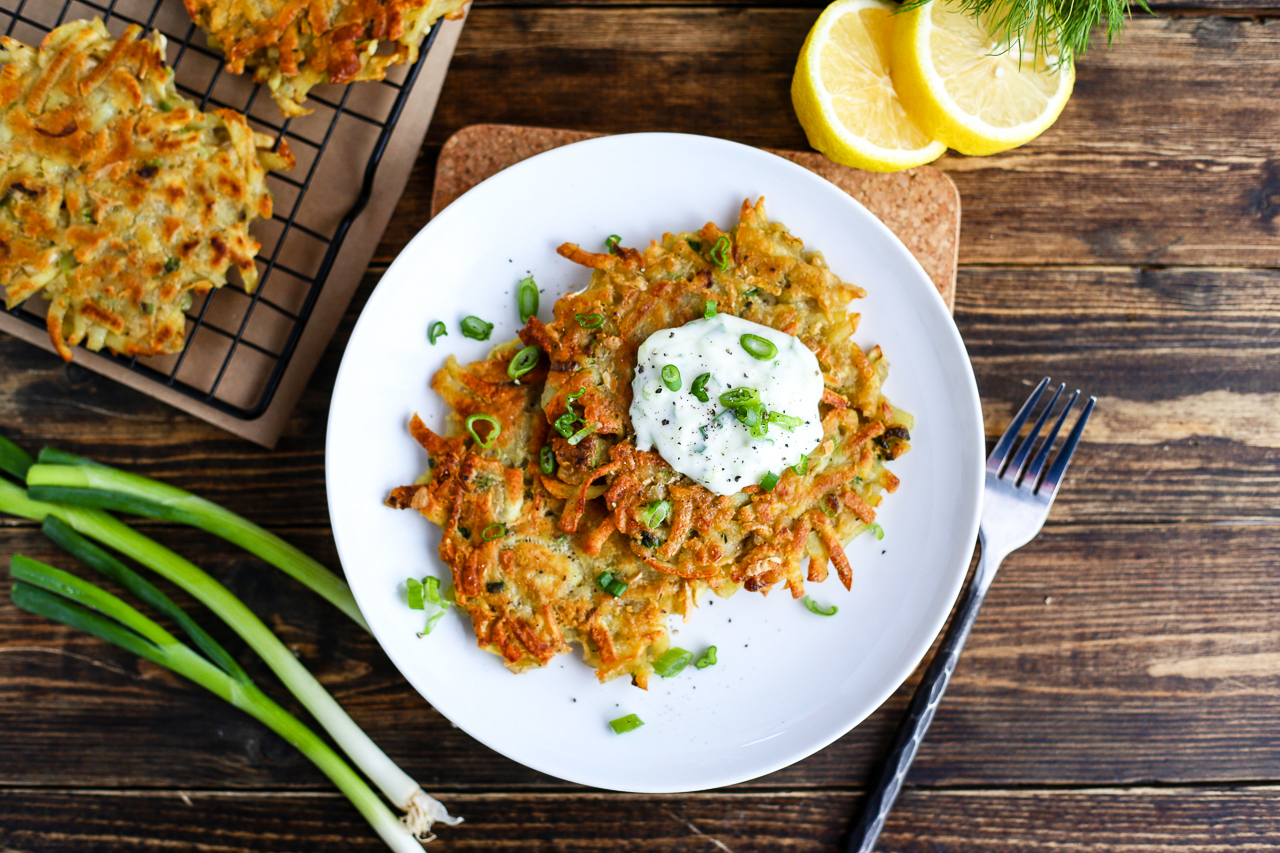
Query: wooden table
{"type": "Point", "coordinates": [1122, 688]}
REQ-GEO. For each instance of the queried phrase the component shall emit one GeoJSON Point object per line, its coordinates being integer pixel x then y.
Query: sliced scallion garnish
{"type": "Point", "coordinates": [699, 388]}
{"type": "Point", "coordinates": [589, 321]}
{"type": "Point", "coordinates": [486, 442]}
{"type": "Point", "coordinates": [494, 531]}
{"type": "Point", "coordinates": [720, 253]}
{"type": "Point", "coordinates": [802, 467]}
{"type": "Point", "coordinates": [655, 513]}
{"type": "Point", "coordinates": [709, 310]}
{"type": "Point", "coordinates": [672, 662]}
{"type": "Point", "coordinates": [758, 347]}
{"type": "Point", "coordinates": [814, 607]}
{"type": "Point", "coordinates": [527, 299]}
{"type": "Point", "coordinates": [525, 360]}
{"type": "Point", "coordinates": [671, 377]}
{"type": "Point", "coordinates": [768, 481]}
{"type": "Point", "coordinates": [875, 528]}
{"type": "Point", "coordinates": [740, 397]}
{"type": "Point", "coordinates": [581, 434]}
{"type": "Point", "coordinates": [607, 582]}
{"type": "Point", "coordinates": [564, 423]}
{"type": "Point", "coordinates": [414, 594]}
{"type": "Point", "coordinates": [437, 330]}
{"type": "Point", "coordinates": [547, 459]}
{"type": "Point", "coordinates": [708, 658]}
{"type": "Point", "coordinates": [611, 243]}
{"type": "Point", "coordinates": [476, 329]}
{"type": "Point", "coordinates": [622, 725]}
{"type": "Point", "coordinates": [789, 422]}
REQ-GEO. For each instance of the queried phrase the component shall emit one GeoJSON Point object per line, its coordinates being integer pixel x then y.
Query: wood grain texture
{"type": "Point", "coordinates": [1164, 155]}
{"type": "Point", "coordinates": [995, 821]}
{"type": "Point", "coordinates": [1104, 655]}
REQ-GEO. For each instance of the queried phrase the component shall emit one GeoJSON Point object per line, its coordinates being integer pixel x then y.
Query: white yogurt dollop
{"type": "Point", "coordinates": [705, 441]}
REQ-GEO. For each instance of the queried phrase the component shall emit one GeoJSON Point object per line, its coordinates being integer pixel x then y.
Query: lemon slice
{"type": "Point", "coordinates": [844, 97]}
{"type": "Point", "coordinates": [976, 95]}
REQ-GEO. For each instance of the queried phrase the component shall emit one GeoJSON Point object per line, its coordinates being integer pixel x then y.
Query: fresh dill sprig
{"type": "Point", "coordinates": [1052, 27]}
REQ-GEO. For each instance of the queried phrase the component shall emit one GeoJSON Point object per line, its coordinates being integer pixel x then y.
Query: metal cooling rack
{"type": "Point", "coordinates": [212, 326]}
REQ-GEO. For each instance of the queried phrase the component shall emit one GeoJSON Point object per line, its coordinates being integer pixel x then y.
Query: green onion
{"type": "Point", "coordinates": [655, 513]}
{"type": "Point", "coordinates": [69, 600]}
{"type": "Point", "coordinates": [14, 460]}
{"type": "Point", "coordinates": [414, 594]}
{"type": "Point", "coordinates": [527, 299]}
{"type": "Point", "coordinates": [699, 388]}
{"type": "Point", "coordinates": [611, 243]}
{"type": "Point", "coordinates": [564, 423]}
{"type": "Point", "coordinates": [789, 422]}
{"type": "Point", "coordinates": [709, 310]}
{"type": "Point", "coordinates": [431, 591]}
{"type": "Point", "coordinates": [740, 398]}
{"type": "Point", "coordinates": [494, 531]}
{"type": "Point", "coordinates": [581, 434]}
{"type": "Point", "coordinates": [486, 442]}
{"type": "Point", "coordinates": [607, 582]}
{"type": "Point", "coordinates": [589, 321]}
{"type": "Point", "coordinates": [752, 293]}
{"type": "Point", "coordinates": [106, 529]}
{"type": "Point", "coordinates": [875, 528]}
{"type": "Point", "coordinates": [720, 253]}
{"type": "Point", "coordinates": [696, 245]}
{"type": "Point", "coordinates": [814, 607]}
{"type": "Point", "coordinates": [437, 330]}
{"type": "Point", "coordinates": [671, 377]}
{"type": "Point", "coordinates": [759, 347]}
{"type": "Point", "coordinates": [84, 484]}
{"type": "Point", "coordinates": [622, 725]}
{"type": "Point", "coordinates": [802, 467]}
{"type": "Point", "coordinates": [547, 459]}
{"type": "Point", "coordinates": [432, 620]}
{"type": "Point", "coordinates": [828, 511]}
{"type": "Point", "coordinates": [708, 658]}
{"type": "Point", "coordinates": [166, 107]}
{"type": "Point", "coordinates": [476, 329]}
{"type": "Point", "coordinates": [672, 662]}
{"type": "Point", "coordinates": [768, 481]}
{"type": "Point", "coordinates": [525, 360]}
{"type": "Point", "coordinates": [575, 395]}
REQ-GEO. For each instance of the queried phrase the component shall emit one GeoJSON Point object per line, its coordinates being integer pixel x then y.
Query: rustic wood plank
{"type": "Point", "coordinates": [1069, 821]}
{"type": "Point", "coordinates": [1104, 655]}
{"type": "Point", "coordinates": [1163, 156]}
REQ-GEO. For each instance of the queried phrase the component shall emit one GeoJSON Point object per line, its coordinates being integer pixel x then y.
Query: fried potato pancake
{"type": "Point", "coordinates": [293, 45]}
{"type": "Point", "coordinates": [585, 519]}
{"type": "Point", "coordinates": [118, 197]}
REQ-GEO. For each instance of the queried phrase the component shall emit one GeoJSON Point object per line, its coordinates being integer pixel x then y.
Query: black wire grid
{"type": "Point", "coordinates": [309, 139]}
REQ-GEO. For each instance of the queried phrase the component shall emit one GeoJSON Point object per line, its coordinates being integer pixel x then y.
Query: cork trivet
{"type": "Point", "coordinates": [921, 206]}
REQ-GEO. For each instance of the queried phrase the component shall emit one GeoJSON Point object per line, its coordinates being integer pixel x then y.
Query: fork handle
{"type": "Point", "coordinates": [924, 703]}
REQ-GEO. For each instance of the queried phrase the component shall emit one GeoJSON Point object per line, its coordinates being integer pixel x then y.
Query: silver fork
{"type": "Point", "coordinates": [1016, 503]}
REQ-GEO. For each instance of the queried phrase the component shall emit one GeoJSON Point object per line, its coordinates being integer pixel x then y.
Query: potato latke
{"type": "Point", "coordinates": [525, 609]}
{"type": "Point", "coordinates": [120, 198]}
{"type": "Point", "coordinates": [293, 45]}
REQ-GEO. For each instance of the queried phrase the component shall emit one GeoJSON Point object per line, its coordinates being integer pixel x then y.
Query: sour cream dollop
{"type": "Point", "coordinates": [705, 441]}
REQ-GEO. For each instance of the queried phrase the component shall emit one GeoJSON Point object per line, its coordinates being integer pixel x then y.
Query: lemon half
{"type": "Point", "coordinates": [976, 95]}
{"type": "Point", "coordinates": [845, 98]}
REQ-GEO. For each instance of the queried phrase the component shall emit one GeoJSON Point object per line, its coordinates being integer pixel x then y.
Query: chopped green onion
{"type": "Point", "coordinates": [708, 658]}
{"type": "Point", "coordinates": [414, 593]}
{"type": "Point", "coordinates": [622, 725]}
{"type": "Point", "coordinates": [696, 245]}
{"type": "Point", "coordinates": [607, 582]}
{"type": "Point", "coordinates": [494, 531]}
{"type": "Point", "coordinates": [672, 662]}
{"type": "Point", "coordinates": [431, 591]}
{"type": "Point", "coordinates": [476, 329]}
{"type": "Point", "coordinates": [172, 265]}
{"type": "Point", "coordinates": [547, 459]}
{"type": "Point", "coordinates": [611, 243]}
{"type": "Point", "coordinates": [432, 620]}
{"type": "Point", "coordinates": [719, 253]}
{"type": "Point", "coordinates": [437, 330]}
{"type": "Point", "coordinates": [758, 347]}
{"type": "Point", "coordinates": [527, 299]}
{"type": "Point", "coordinates": [750, 417]}
{"type": "Point", "coordinates": [525, 360]}
{"type": "Point", "coordinates": [699, 388]}
{"type": "Point", "coordinates": [575, 395]}
{"type": "Point", "coordinates": [671, 377]}
{"type": "Point", "coordinates": [768, 481]}
{"type": "Point", "coordinates": [564, 423]}
{"type": "Point", "coordinates": [828, 511]}
{"type": "Point", "coordinates": [655, 513]}
{"type": "Point", "coordinates": [589, 321]}
{"type": "Point", "coordinates": [752, 293]}
{"type": "Point", "coordinates": [740, 397]}
{"type": "Point", "coordinates": [875, 528]}
{"type": "Point", "coordinates": [486, 442]}
{"type": "Point", "coordinates": [166, 107]}
{"type": "Point", "coordinates": [814, 607]}
{"type": "Point", "coordinates": [709, 310]}
{"type": "Point", "coordinates": [581, 434]}
{"type": "Point", "coordinates": [802, 467]}
{"type": "Point", "coordinates": [789, 422]}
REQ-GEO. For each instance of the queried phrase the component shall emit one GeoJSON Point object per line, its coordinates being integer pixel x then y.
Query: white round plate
{"type": "Point", "coordinates": [788, 682]}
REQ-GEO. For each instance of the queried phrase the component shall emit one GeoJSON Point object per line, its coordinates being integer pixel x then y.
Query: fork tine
{"type": "Point", "coordinates": [1059, 467]}
{"type": "Point", "coordinates": [1037, 464]}
{"type": "Point", "coordinates": [996, 460]}
{"type": "Point", "coordinates": [1024, 450]}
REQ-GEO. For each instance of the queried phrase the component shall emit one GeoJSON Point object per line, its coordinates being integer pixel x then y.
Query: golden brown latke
{"type": "Point", "coordinates": [292, 45]}
{"type": "Point", "coordinates": [532, 588]}
{"type": "Point", "coordinates": [119, 196]}
{"type": "Point", "coordinates": [753, 538]}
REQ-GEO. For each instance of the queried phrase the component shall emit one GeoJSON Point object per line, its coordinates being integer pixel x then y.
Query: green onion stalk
{"type": "Point", "coordinates": [69, 479]}
{"type": "Point", "coordinates": [66, 598]}
{"type": "Point", "coordinates": [422, 810]}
